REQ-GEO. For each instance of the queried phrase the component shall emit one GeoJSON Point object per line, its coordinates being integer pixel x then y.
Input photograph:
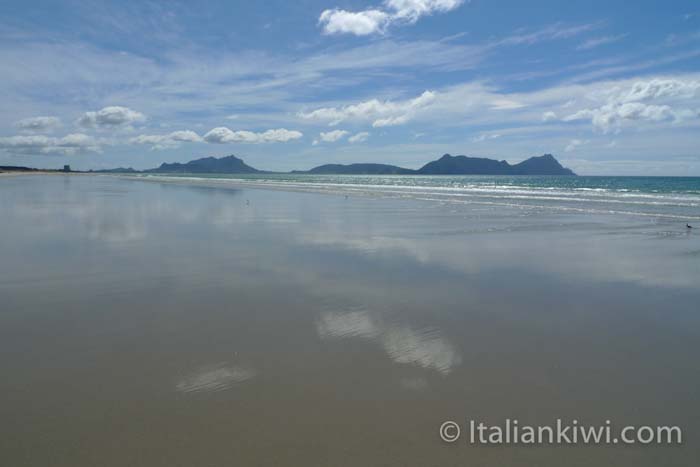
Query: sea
{"type": "Point", "coordinates": [658, 197]}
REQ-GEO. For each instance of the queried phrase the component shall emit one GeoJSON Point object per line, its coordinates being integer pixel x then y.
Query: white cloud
{"type": "Point", "coordinates": [654, 100]}
{"type": "Point", "coordinates": [573, 144]}
{"type": "Point", "coordinates": [658, 88]}
{"type": "Point", "coordinates": [598, 41]}
{"type": "Point", "coordinates": [391, 121]}
{"type": "Point", "coordinates": [223, 135]}
{"type": "Point", "coordinates": [170, 140]}
{"type": "Point", "coordinates": [39, 144]}
{"type": "Point", "coordinates": [112, 116]}
{"type": "Point", "coordinates": [610, 115]}
{"type": "Point", "coordinates": [375, 20]}
{"type": "Point", "coordinates": [380, 113]}
{"type": "Point", "coordinates": [330, 136]}
{"type": "Point", "coordinates": [359, 137]}
{"type": "Point", "coordinates": [361, 23]}
{"type": "Point", "coordinates": [412, 10]}
{"type": "Point", "coordinates": [39, 123]}
{"type": "Point", "coordinates": [485, 106]}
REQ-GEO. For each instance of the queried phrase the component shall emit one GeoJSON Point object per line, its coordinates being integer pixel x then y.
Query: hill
{"type": "Point", "coordinates": [359, 169]}
{"type": "Point", "coordinates": [228, 165]}
{"type": "Point", "coordinates": [446, 165]}
{"type": "Point", "coordinates": [463, 165]}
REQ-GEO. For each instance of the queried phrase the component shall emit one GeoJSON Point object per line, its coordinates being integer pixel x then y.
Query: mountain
{"type": "Point", "coordinates": [358, 169]}
{"type": "Point", "coordinates": [463, 165]}
{"type": "Point", "coordinates": [228, 165]}
{"type": "Point", "coordinates": [118, 170]}
{"type": "Point", "coordinates": [452, 165]}
{"type": "Point", "coordinates": [542, 165]}
{"type": "Point", "coordinates": [446, 165]}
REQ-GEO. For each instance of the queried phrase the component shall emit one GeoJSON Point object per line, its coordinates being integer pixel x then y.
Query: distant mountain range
{"type": "Point", "coordinates": [446, 165]}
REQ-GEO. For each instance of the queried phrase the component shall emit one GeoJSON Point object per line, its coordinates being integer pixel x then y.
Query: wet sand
{"type": "Point", "coordinates": [163, 324]}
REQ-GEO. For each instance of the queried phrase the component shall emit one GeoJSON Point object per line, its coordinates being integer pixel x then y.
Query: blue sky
{"type": "Point", "coordinates": [608, 87]}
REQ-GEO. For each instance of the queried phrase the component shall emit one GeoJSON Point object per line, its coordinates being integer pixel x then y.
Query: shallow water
{"type": "Point", "coordinates": [664, 197]}
{"type": "Point", "coordinates": [153, 323]}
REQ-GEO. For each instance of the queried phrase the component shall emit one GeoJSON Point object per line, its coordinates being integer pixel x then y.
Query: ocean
{"type": "Point", "coordinates": [659, 197]}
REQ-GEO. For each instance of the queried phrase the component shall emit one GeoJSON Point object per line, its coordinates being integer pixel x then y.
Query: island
{"type": "Point", "coordinates": [445, 165]}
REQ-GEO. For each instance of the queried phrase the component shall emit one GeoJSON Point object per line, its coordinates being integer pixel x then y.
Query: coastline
{"type": "Point", "coordinates": [468, 190]}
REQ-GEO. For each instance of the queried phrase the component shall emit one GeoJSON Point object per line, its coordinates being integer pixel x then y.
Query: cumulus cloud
{"type": "Point", "coordinates": [376, 20]}
{"type": "Point", "coordinates": [609, 115]}
{"type": "Point", "coordinates": [39, 144]}
{"type": "Point", "coordinates": [359, 137]}
{"type": "Point", "coordinates": [109, 117]}
{"type": "Point", "coordinates": [170, 140]}
{"type": "Point", "coordinates": [360, 23]}
{"type": "Point", "coordinates": [223, 135]}
{"type": "Point", "coordinates": [658, 88]}
{"type": "Point", "coordinates": [330, 136]}
{"type": "Point", "coordinates": [655, 100]}
{"type": "Point", "coordinates": [380, 113]}
{"type": "Point", "coordinates": [39, 123]}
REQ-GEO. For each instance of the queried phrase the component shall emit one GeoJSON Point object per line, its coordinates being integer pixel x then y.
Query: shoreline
{"type": "Point", "coordinates": [657, 207]}
{"type": "Point", "coordinates": [440, 195]}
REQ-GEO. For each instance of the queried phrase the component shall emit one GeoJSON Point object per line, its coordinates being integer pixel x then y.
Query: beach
{"type": "Point", "coordinates": [170, 321]}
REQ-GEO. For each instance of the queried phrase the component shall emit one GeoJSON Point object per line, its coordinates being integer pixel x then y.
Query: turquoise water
{"type": "Point", "coordinates": [659, 197]}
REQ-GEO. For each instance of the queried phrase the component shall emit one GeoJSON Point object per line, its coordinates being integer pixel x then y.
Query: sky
{"type": "Point", "coordinates": [608, 87]}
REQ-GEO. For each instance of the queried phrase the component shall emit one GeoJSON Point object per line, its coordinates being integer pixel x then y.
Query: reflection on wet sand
{"type": "Point", "coordinates": [158, 324]}
{"type": "Point", "coordinates": [425, 348]}
{"type": "Point", "coordinates": [215, 377]}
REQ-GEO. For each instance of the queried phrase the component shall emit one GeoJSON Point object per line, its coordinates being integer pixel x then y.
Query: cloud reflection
{"type": "Point", "coordinates": [426, 348]}
{"type": "Point", "coordinates": [214, 378]}
{"type": "Point", "coordinates": [349, 324]}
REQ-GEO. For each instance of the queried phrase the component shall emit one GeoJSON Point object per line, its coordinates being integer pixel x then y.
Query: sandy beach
{"type": "Point", "coordinates": [180, 324]}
